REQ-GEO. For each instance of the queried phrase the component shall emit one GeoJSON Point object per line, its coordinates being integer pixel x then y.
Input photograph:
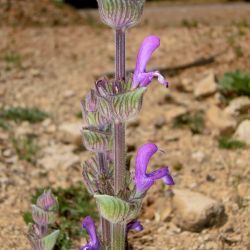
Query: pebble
{"type": "Point", "coordinates": [160, 122]}
{"type": "Point", "coordinates": [194, 211]}
{"type": "Point", "coordinates": [70, 132]}
{"type": "Point", "coordinates": [244, 190]}
{"type": "Point", "coordinates": [217, 118]}
{"type": "Point", "coordinates": [58, 156]}
{"type": "Point", "coordinates": [238, 105]}
{"type": "Point", "coordinates": [206, 87]}
{"type": "Point", "coordinates": [199, 156]}
{"type": "Point", "coordinates": [243, 132]}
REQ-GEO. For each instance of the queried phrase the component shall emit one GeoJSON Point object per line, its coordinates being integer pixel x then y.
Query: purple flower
{"type": "Point", "coordinates": [93, 243]}
{"type": "Point", "coordinates": [134, 225]}
{"type": "Point", "coordinates": [143, 180]}
{"type": "Point", "coordinates": [141, 78]}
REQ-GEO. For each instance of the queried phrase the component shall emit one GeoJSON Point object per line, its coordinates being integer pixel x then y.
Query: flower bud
{"type": "Point", "coordinates": [120, 14]}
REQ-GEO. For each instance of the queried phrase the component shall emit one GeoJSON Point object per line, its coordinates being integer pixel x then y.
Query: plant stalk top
{"type": "Point", "coordinates": [121, 14]}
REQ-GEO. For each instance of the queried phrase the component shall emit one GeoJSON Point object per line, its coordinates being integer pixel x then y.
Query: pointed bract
{"type": "Point", "coordinates": [120, 14]}
{"type": "Point", "coordinates": [117, 210]}
{"type": "Point", "coordinates": [47, 201]}
{"type": "Point", "coordinates": [42, 217]}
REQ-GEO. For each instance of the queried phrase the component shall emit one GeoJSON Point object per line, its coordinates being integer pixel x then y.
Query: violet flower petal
{"type": "Point", "coordinates": [168, 179]}
{"type": "Point", "coordinates": [134, 225]}
{"type": "Point", "coordinates": [93, 243]}
{"type": "Point", "coordinates": [141, 78]}
{"type": "Point", "coordinates": [144, 181]}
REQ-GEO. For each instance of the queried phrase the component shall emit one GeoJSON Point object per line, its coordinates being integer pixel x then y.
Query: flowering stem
{"type": "Point", "coordinates": [118, 230]}
{"type": "Point", "coordinates": [120, 54]}
{"type": "Point", "coordinates": [105, 225]}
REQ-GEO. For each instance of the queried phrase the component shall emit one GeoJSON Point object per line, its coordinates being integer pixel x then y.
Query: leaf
{"type": "Point", "coordinates": [126, 106]}
{"type": "Point", "coordinates": [49, 241]}
{"type": "Point", "coordinates": [116, 210]}
{"type": "Point", "coordinates": [96, 140]}
{"type": "Point", "coordinates": [121, 107]}
{"type": "Point", "coordinates": [237, 82]}
{"type": "Point", "coordinates": [42, 217]}
{"type": "Point", "coordinates": [96, 119]}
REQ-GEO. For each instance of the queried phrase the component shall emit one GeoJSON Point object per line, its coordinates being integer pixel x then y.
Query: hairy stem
{"type": "Point", "coordinates": [119, 230]}
{"type": "Point", "coordinates": [120, 55]}
{"type": "Point", "coordinates": [105, 225]}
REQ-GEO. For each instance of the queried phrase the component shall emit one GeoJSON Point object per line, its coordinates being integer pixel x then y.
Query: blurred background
{"type": "Point", "coordinates": [52, 52]}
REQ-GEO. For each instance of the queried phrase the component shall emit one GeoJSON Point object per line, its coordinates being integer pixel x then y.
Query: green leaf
{"type": "Point", "coordinates": [96, 140]}
{"type": "Point", "coordinates": [95, 119]}
{"type": "Point", "coordinates": [226, 142]}
{"type": "Point", "coordinates": [122, 107]}
{"type": "Point", "coordinates": [235, 83]}
{"type": "Point", "coordinates": [32, 115]}
{"type": "Point", "coordinates": [49, 241]}
{"type": "Point", "coordinates": [116, 210]}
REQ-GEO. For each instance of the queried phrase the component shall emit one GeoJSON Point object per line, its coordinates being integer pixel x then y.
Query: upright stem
{"type": "Point", "coordinates": [120, 54]}
{"type": "Point", "coordinates": [105, 225]}
{"type": "Point", "coordinates": [119, 230]}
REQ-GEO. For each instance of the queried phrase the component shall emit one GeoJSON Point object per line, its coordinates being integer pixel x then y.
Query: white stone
{"type": "Point", "coordinates": [238, 105]}
{"type": "Point", "coordinates": [207, 86]}
{"type": "Point", "coordinates": [70, 133]}
{"type": "Point", "coordinates": [243, 132]}
{"type": "Point", "coordinates": [58, 156]}
{"type": "Point", "coordinates": [244, 190]}
{"type": "Point", "coordinates": [198, 156]}
{"type": "Point", "coordinates": [217, 118]}
{"type": "Point", "coordinates": [194, 211]}
{"type": "Point", "coordinates": [174, 112]}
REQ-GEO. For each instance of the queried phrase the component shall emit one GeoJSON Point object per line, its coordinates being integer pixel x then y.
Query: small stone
{"type": "Point", "coordinates": [51, 129]}
{"type": "Point", "coordinates": [186, 84]}
{"type": "Point", "coordinates": [58, 156]}
{"type": "Point", "coordinates": [35, 72]}
{"type": "Point", "coordinates": [174, 112]}
{"type": "Point", "coordinates": [238, 106]}
{"type": "Point", "coordinates": [160, 122]}
{"type": "Point", "coordinates": [134, 123]}
{"type": "Point", "coordinates": [206, 87]}
{"type": "Point", "coordinates": [70, 133]}
{"type": "Point", "coordinates": [211, 245]}
{"type": "Point", "coordinates": [199, 156]}
{"type": "Point", "coordinates": [243, 132]}
{"type": "Point", "coordinates": [7, 153]}
{"type": "Point", "coordinates": [68, 93]}
{"type": "Point", "coordinates": [25, 129]}
{"type": "Point", "coordinates": [210, 178]}
{"type": "Point", "coordinates": [194, 211]}
{"type": "Point", "coordinates": [244, 190]}
{"type": "Point", "coordinates": [217, 118]}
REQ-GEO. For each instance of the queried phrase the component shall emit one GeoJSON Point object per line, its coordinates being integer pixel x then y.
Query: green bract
{"type": "Point", "coordinates": [117, 210]}
{"type": "Point", "coordinates": [120, 14]}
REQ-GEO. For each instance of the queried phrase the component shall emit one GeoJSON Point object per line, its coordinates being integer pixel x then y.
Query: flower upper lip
{"type": "Point", "coordinates": [141, 78]}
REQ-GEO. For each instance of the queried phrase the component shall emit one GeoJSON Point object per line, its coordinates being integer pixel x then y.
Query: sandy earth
{"type": "Point", "coordinates": [58, 66]}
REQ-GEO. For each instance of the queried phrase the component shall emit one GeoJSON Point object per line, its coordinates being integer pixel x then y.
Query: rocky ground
{"type": "Point", "coordinates": [52, 68]}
